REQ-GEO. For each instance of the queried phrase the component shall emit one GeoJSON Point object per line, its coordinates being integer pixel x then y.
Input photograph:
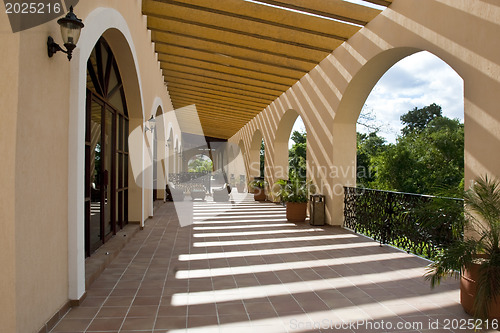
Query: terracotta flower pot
{"type": "Point", "coordinates": [259, 194]}
{"type": "Point", "coordinates": [296, 211]}
{"type": "Point", "coordinates": [468, 286]}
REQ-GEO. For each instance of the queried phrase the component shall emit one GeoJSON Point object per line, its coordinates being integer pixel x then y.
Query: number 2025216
{"type": "Point", "coordinates": [32, 8]}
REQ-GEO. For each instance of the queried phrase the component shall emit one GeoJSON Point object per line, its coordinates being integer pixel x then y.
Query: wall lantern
{"type": "Point", "coordinates": [70, 31]}
{"type": "Point", "coordinates": [151, 123]}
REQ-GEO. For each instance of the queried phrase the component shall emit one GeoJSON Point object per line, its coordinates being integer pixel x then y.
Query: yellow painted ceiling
{"type": "Point", "coordinates": [232, 58]}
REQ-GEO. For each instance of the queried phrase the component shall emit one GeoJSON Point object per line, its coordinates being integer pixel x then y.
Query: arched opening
{"type": "Point", "coordinates": [290, 147]}
{"type": "Point", "coordinates": [158, 153]}
{"type": "Point", "coordinates": [170, 154]}
{"type": "Point", "coordinates": [262, 159]}
{"type": "Point", "coordinates": [241, 170]}
{"type": "Point", "coordinates": [200, 163]}
{"type": "Point", "coordinates": [297, 151]}
{"type": "Point", "coordinates": [255, 155]}
{"type": "Point", "coordinates": [106, 149]}
{"type": "Point", "coordinates": [410, 134]}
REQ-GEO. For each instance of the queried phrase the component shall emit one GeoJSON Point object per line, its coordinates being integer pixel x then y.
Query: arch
{"type": "Point", "coordinates": [159, 166]}
{"type": "Point", "coordinates": [281, 137]}
{"type": "Point", "coordinates": [112, 26]}
{"type": "Point", "coordinates": [189, 154]}
{"type": "Point", "coordinates": [241, 166]}
{"type": "Point", "coordinates": [253, 154]}
{"type": "Point", "coordinates": [194, 155]}
{"type": "Point", "coordinates": [170, 150]}
{"type": "Point", "coordinates": [349, 109]}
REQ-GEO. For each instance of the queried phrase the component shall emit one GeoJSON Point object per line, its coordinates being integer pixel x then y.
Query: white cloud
{"type": "Point", "coordinates": [416, 81]}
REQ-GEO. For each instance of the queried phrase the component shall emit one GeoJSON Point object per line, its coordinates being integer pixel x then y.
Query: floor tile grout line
{"type": "Point", "coordinates": [166, 276]}
{"type": "Point", "coordinates": [101, 306]}
{"type": "Point", "coordinates": [119, 280]}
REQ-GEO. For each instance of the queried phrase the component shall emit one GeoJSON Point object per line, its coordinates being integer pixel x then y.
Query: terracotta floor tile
{"type": "Point", "coordinates": [139, 323]}
{"type": "Point", "coordinates": [72, 325]}
{"type": "Point", "coordinates": [119, 301]}
{"type": "Point", "coordinates": [105, 324]}
{"type": "Point", "coordinates": [170, 323]}
{"type": "Point", "coordinates": [200, 321]}
{"type": "Point", "coordinates": [112, 312]}
{"type": "Point", "coordinates": [172, 311]}
{"type": "Point", "coordinates": [153, 278]}
{"type": "Point", "coordinates": [82, 312]}
{"type": "Point", "coordinates": [143, 311]}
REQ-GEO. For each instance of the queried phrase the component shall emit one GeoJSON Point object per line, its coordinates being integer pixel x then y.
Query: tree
{"type": "Point", "coordinates": [297, 156]}
{"type": "Point", "coordinates": [418, 119]}
{"type": "Point", "coordinates": [424, 160]}
{"type": "Point", "coordinates": [369, 146]}
{"type": "Point", "coordinates": [200, 164]}
{"type": "Point", "coordinates": [262, 157]}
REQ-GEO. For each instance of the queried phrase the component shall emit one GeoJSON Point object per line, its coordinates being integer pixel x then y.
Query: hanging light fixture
{"type": "Point", "coordinates": [71, 27]}
{"type": "Point", "coordinates": [151, 123]}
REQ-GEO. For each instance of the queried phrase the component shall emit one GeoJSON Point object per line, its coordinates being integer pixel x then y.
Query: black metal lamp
{"type": "Point", "coordinates": [71, 27]}
{"type": "Point", "coordinates": [152, 123]}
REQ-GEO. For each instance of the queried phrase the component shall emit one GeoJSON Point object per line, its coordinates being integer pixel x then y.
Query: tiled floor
{"type": "Point", "coordinates": [248, 270]}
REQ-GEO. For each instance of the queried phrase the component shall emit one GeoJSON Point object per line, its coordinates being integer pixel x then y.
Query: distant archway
{"type": "Point", "coordinates": [254, 155]}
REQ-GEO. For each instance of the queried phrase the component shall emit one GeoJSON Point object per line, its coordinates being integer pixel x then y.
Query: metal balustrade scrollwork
{"type": "Point", "coordinates": [419, 224]}
{"type": "Point", "coordinates": [188, 181]}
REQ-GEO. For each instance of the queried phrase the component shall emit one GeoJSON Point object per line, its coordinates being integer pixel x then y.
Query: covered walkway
{"type": "Point", "coordinates": [248, 270]}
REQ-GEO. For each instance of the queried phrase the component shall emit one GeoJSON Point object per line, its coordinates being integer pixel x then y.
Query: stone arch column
{"type": "Point", "coordinates": [330, 97]}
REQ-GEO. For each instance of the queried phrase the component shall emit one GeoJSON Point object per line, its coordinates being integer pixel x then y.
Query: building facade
{"type": "Point", "coordinates": [59, 116]}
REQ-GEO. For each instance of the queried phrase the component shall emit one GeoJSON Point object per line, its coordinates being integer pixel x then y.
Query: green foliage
{"type": "Point", "coordinates": [369, 147]}
{"type": "Point", "coordinates": [257, 183]}
{"type": "Point", "coordinates": [200, 165]}
{"type": "Point", "coordinates": [294, 190]}
{"type": "Point", "coordinates": [262, 157]}
{"type": "Point", "coordinates": [425, 160]}
{"type": "Point", "coordinates": [479, 246]}
{"type": "Point", "coordinates": [427, 157]}
{"type": "Point", "coordinates": [418, 119]}
{"type": "Point", "coordinates": [297, 156]}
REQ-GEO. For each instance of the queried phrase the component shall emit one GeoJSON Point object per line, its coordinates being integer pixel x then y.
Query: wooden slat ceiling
{"type": "Point", "coordinates": [232, 58]}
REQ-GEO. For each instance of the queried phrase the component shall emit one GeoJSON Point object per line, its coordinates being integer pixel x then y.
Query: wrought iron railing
{"type": "Point", "coordinates": [188, 181]}
{"type": "Point", "coordinates": [419, 224]}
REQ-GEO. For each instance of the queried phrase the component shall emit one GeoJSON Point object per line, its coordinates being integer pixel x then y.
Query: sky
{"type": "Point", "coordinates": [416, 81]}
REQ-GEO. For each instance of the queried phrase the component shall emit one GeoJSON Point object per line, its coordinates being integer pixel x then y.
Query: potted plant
{"type": "Point", "coordinates": [475, 257]}
{"type": "Point", "coordinates": [258, 186]}
{"type": "Point", "coordinates": [295, 193]}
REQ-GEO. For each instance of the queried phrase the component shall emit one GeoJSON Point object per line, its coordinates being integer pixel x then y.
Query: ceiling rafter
{"type": "Point", "coordinates": [222, 102]}
{"type": "Point", "coordinates": [196, 40]}
{"type": "Point", "coordinates": [165, 56]}
{"type": "Point", "coordinates": [173, 49]}
{"type": "Point", "coordinates": [224, 97]}
{"type": "Point", "coordinates": [227, 71]}
{"type": "Point", "coordinates": [224, 79]}
{"type": "Point", "coordinates": [249, 16]}
{"type": "Point", "coordinates": [232, 58]}
{"type": "Point", "coordinates": [210, 87]}
{"type": "Point", "coordinates": [215, 104]}
{"type": "Point", "coordinates": [245, 33]}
